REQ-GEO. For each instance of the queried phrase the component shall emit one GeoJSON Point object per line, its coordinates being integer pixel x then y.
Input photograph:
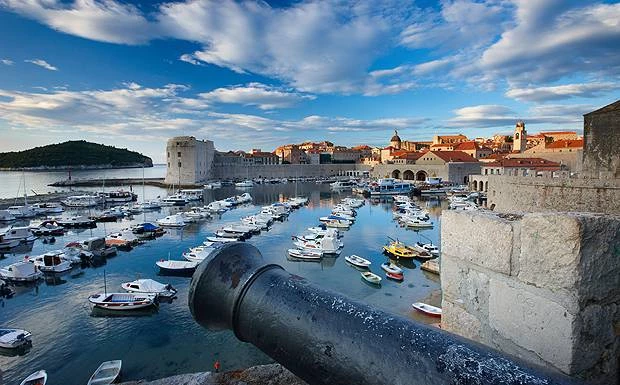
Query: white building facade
{"type": "Point", "coordinates": [189, 160]}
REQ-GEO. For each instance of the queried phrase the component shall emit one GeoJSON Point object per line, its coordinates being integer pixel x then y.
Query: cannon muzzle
{"type": "Point", "coordinates": [326, 338]}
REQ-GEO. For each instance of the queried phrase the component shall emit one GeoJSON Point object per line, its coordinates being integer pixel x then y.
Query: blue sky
{"type": "Point", "coordinates": [249, 74]}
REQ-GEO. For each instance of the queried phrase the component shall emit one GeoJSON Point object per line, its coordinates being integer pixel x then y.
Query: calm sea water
{"type": "Point", "coordinates": [12, 182]}
{"type": "Point", "coordinates": [69, 342]}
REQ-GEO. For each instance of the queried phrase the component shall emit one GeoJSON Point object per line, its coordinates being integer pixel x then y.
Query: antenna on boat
{"type": "Point", "coordinates": [105, 284]}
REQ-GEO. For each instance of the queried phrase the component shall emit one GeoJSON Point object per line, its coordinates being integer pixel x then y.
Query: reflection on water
{"type": "Point", "coordinates": [69, 341]}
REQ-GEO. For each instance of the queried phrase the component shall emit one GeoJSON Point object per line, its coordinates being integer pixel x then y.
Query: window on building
{"type": "Point", "coordinates": [179, 164]}
{"type": "Point", "coordinates": [168, 154]}
{"type": "Point", "coordinates": [168, 164]}
{"type": "Point", "coordinates": [179, 154]}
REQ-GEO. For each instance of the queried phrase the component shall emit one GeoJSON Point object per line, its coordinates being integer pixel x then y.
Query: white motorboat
{"type": "Point", "coordinates": [175, 220]}
{"type": "Point", "coordinates": [51, 262]}
{"type": "Point", "coordinates": [121, 301]}
{"type": "Point", "coordinates": [198, 254]}
{"type": "Point", "coordinates": [245, 184]}
{"type": "Point", "coordinates": [242, 227]}
{"type": "Point", "coordinates": [222, 239]}
{"type": "Point", "coordinates": [343, 215]}
{"type": "Point", "coordinates": [371, 277]}
{"type": "Point", "coordinates": [342, 185]}
{"type": "Point", "coordinates": [336, 222]}
{"type": "Point", "coordinates": [426, 247]}
{"type": "Point", "coordinates": [176, 267]}
{"type": "Point", "coordinates": [76, 221]}
{"type": "Point", "coordinates": [126, 235]}
{"type": "Point", "coordinates": [149, 286]}
{"type": "Point", "coordinates": [244, 198]}
{"type": "Point", "coordinates": [305, 254]}
{"type": "Point", "coordinates": [327, 245]}
{"type": "Point", "coordinates": [107, 373]}
{"type": "Point", "coordinates": [82, 201]}
{"type": "Point", "coordinates": [36, 378]}
{"type": "Point", "coordinates": [258, 221]}
{"type": "Point", "coordinates": [118, 196]}
{"type": "Point", "coordinates": [389, 267]}
{"type": "Point", "coordinates": [23, 211]}
{"type": "Point", "coordinates": [176, 200]}
{"type": "Point", "coordinates": [418, 223]}
{"type": "Point", "coordinates": [390, 186]}
{"type": "Point", "coordinates": [14, 338]}
{"type": "Point", "coordinates": [150, 205]}
{"type": "Point", "coordinates": [47, 227]}
{"type": "Point", "coordinates": [357, 261]}
{"type": "Point", "coordinates": [23, 234]}
{"type": "Point", "coordinates": [213, 185]}
{"type": "Point", "coordinates": [97, 246]}
{"type": "Point", "coordinates": [401, 199]}
{"type": "Point", "coordinates": [20, 272]}
{"type": "Point", "coordinates": [353, 202]}
{"type": "Point", "coordinates": [217, 207]}
{"type": "Point", "coordinates": [192, 194]}
{"type": "Point", "coordinates": [6, 216]}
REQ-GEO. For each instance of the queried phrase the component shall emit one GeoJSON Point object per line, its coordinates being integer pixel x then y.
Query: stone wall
{"type": "Point", "coordinates": [541, 286]}
{"type": "Point", "coordinates": [508, 193]}
{"type": "Point", "coordinates": [451, 172]}
{"type": "Point", "coordinates": [286, 170]}
{"type": "Point", "coordinates": [601, 129]}
{"type": "Point", "coordinates": [572, 160]}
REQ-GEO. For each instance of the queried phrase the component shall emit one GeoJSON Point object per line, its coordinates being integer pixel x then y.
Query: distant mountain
{"type": "Point", "coordinates": [73, 154]}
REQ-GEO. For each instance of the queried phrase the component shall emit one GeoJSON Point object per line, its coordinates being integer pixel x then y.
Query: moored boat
{"type": "Point", "coordinates": [427, 309]}
{"type": "Point", "coordinates": [305, 254]}
{"type": "Point", "coordinates": [149, 286]}
{"type": "Point", "coordinates": [36, 378]}
{"type": "Point", "coordinates": [358, 261]}
{"type": "Point", "coordinates": [121, 301]}
{"type": "Point", "coordinates": [14, 338]}
{"type": "Point", "coordinates": [107, 373]}
{"type": "Point", "coordinates": [395, 276]}
{"type": "Point", "coordinates": [389, 267]}
{"type": "Point", "coordinates": [398, 250]}
{"type": "Point", "coordinates": [371, 277]}
{"type": "Point", "coordinates": [20, 272]}
{"type": "Point", "coordinates": [176, 267]}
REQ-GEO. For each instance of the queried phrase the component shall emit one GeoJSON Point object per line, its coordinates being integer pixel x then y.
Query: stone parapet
{"type": "Point", "coordinates": [541, 286]}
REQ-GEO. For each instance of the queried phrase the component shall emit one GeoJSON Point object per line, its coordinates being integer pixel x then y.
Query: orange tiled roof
{"type": "Point", "coordinates": [566, 143]}
{"type": "Point", "coordinates": [454, 156]}
{"type": "Point", "coordinates": [531, 163]}
{"type": "Point", "coordinates": [470, 145]}
{"type": "Point", "coordinates": [547, 133]}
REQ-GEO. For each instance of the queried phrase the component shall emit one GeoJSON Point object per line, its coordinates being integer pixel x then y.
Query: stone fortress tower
{"type": "Point", "coordinates": [189, 160]}
{"type": "Point", "coordinates": [520, 138]}
{"type": "Point", "coordinates": [395, 142]}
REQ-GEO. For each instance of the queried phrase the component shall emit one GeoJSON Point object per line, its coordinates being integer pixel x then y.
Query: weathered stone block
{"type": "Point", "coordinates": [550, 251]}
{"type": "Point", "coordinates": [466, 286]}
{"type": "Point", "coordinates": [535, 323]}
{"type": "Point", "coordinates": [457, 320]}
{"type": "Point", "coordinates": [481, 238]}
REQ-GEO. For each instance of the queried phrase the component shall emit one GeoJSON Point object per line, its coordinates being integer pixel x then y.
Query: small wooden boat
{"type": "Point", "coordinates": [427, 309]}
{"type": "Point", "coordinates": [36, 378]}
{"type": "Point", "coordinates": [431, 266]}
{"type": "Point", "coordinates": [222, 239]}
{"type": "Point", "coordinates": [389, 267]}
{"type": "Point", "coordinates": [14, 338]}
{"type": "Point", "coordinates": [176, 267]}
{"type": "Point", "coordinates": [371, 277]}
{"type": "Point", "coordinates": [305, 254]}
{"type": "Point", "coordinates": [121, 301]}
{"type": "Point", "coordinates": [358, 261]}
{"type": "Point", "coordinates": [395, 276]}
{"type": "Point", "coordinates": [106, 373]}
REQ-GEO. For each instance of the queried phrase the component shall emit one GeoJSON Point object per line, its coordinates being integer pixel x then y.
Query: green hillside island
{"type": "Point", "coordinates": [78, 154]}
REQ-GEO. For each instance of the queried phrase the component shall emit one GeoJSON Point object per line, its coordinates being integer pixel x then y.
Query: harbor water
{"type": "Point", "coordinates": [70, 341]}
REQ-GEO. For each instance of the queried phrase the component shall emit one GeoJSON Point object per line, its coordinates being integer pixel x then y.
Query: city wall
{"type": "Point", "coordinates": [453, 172]}
{"type": "Point", "coordinates": [541, 286]}
{"type": "Point", "coordinates": [508, 193]}
{"type": "Point", "coordinates": [287, 170]}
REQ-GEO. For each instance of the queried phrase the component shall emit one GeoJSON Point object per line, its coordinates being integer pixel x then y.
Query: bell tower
{"type": "Point", "coordinates": [519, 142]}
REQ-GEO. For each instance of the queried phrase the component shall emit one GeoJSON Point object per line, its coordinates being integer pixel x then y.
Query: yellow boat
{"type": "Point", "coordinates": [399, 250]}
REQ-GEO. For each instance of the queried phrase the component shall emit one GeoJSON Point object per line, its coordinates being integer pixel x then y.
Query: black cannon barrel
{"type": "Point", "coordinates": [326, 338]}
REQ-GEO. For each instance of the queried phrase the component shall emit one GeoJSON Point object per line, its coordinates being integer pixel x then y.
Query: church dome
{"type": "Point", "coordinates": [395, 138]}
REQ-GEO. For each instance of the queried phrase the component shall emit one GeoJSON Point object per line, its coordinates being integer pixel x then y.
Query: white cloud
{"type": "Point", "coordinates": [42, 63]}
{"type": "Point", "coordinates": [257, 94]}
{"type": "Point", "coordinates": [555, 38]}
{"type": "Point", "coordinates": [105, 20]}
{"type": "Point", "coordinates": [7, 62]}
{"type": "Point", "coordinates": [486, 116]}
{"type": "Point", "coordinates": [565, 91]}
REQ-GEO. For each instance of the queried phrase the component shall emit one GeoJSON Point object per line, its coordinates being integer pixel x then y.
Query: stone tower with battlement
{"type": "Point", "coordinates": [520, 138]}
{"type": "Point", "coordinates": [189, 160]}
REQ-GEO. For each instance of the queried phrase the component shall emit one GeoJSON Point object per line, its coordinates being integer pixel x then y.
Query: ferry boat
{"type": "Point", "coordinates": [192, 194]}
{"type": "Point", "coordinates": [119, 196]}
{"type": "Point", "coordinates": [390, 186]}
{"type": "Point", "coordinates": [343, 185]}
{"type": "Point", "coordinates": [82, 201]}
